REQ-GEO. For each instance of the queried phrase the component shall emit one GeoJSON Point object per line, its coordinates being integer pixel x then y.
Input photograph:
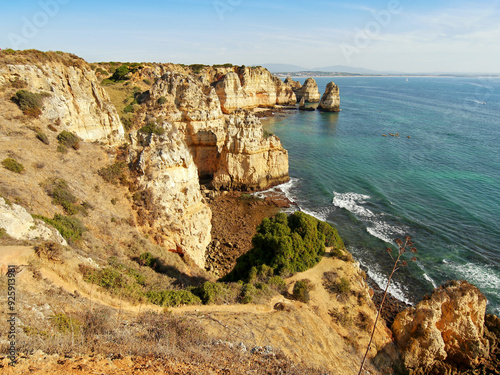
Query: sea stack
{"type": "Point", "coordinates": [330, 101]}
{"type": "Point", "coordinates": [295, 84]}
{"type": "Point", "coordinates": [309, 91]}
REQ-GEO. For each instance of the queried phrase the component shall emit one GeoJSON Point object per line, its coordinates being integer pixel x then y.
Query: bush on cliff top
{"type": "Point", "coordinates": [286, 244]}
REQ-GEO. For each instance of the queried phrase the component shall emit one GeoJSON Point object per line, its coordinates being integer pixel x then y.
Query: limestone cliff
{"type": "Point", "coordinates": [294, 84]}
{"type": "Point", "coordinates": [447, 328]}
{"type": "Point", "coordinates": [249, 160]}
{"type": "Point", "coordinates": [230, 150]}
{"type": "Point", "coordinates": [330, 101]}
{"type": "Point", "coordinates": [251, 88]}
{"type": "Point", "coordinates": [75, 101]}
{"type": "Point", "coordinates": [309, 91]}
{"type": "Point", "coordinates": [169, 179]}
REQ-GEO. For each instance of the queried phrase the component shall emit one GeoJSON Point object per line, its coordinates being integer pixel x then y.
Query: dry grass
{"type": "Point", "coordinates": [35, 57]}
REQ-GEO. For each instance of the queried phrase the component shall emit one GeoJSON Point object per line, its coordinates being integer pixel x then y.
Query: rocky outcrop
{"type": "Point", "coordinates": [308, 91]}
{"type": "Point", "coordinates": [248, 160]}
{"type": "Point", "coordinates": [330, 101]}
{"type": "Point", "coordinates": [76, 101]}
{"type": "Point", "coordinates": [190, 138]}
{"type": "Point", "coordinates": [295, 85]}
{"type": "Point", "coordinates": [231, 151]}
{"type": "Point", "coordinates": [19, 224]}
{"type": "Point", "coordinates": [251, 88]}
{"type": "Point", "coordinates": [169, 178]}
{"type": "Point", "coordinates": [445, 329]}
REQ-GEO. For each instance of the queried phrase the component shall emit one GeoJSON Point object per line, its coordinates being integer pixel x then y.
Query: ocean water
{"type": "Point", "coordinates": [441, 185]}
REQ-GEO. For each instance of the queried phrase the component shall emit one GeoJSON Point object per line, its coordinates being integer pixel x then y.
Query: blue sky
{"type": "Point", "coordinates": [392, 35]}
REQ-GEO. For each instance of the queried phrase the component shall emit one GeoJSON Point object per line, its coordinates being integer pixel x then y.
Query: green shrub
{"type": "Point", "coordinates": [69, 139]}
{"type": "Point", "coordinates": [64, 323]}
{"type": "Point", "coordinates": [286, 244]}
{"type": "Point", "coordinates": [101, 71]}
{"type": "Point", "coordinates": [42, 137]}
{"type": "Point", "coordinates": [62, 149]}
{"type": "Point", "coordinates": [343, 285]}
{"type": "Point", "coordinates": [30, 103]}
{"type": "Point", "coordinates": [197, 68]}
{"type": "Point", "coordinates": [128, 109]}
{"type": "Point", "coordinates": [148, 260]}
{"type": "Point", "coordinates": [138, 277]}
{"type": "Point", "coordinates": [277, 283]}
{"type": "Point", "coordinates": [248, 293]}
{"type": "Point", "coordinates": [120, 74]}
{"type": "Point", "coordinates": [227, 65]}
{"type": "Point", "coordinates": [3, 233]}
{"type": "Point", "coordinates": [146, 81]}
{"type": "Point", "coordinates": [267, 134]}
{"type": "Point", "coordinates": [152, 128]}
{"type": "Point", "coordinates": [173, 298]}
{"type": "Point", "coordinates": [58, 190]}
{"type": "Point", "coordinates": [334, 285]}
{"type": "Point", "coordinates": [162, 100]}
{"type": "Point", "coordinates": [118, 279]}
{"type": "Point", "coordinates": [70, 228]}
{"type": "Point", "coordinates": [13, 165]}
{"type": "Point", "coordinates": [127, 123]}
{"type": "Point", "coordinates": [108, 277]}
{"type": "Point", "coordinates": [114, 173]}
{"type": "Point", "coordinates": [301, 290]}
{"type": "Point", "coordinates": [209, 292]}
{"type": "Point", "coordinates": [332, 238]}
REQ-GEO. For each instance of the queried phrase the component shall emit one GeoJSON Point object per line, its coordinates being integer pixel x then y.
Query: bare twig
{"type": "Point", "coordinates": [402, 248]}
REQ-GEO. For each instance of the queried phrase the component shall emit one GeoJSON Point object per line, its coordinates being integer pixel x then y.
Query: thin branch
{"type": "Point", "coordinates": [402, 249]}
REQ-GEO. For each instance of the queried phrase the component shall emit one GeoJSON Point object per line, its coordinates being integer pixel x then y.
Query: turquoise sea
{"type": "Point", "coordinates": [441, 185]}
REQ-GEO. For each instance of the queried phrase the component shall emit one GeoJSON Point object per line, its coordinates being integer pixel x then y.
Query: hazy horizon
{"type": "Point", "coordinates": [388, 36]}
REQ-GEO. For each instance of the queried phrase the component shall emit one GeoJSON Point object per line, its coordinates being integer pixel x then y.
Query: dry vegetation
{"type": "Point", "coordinates": [35, 57]}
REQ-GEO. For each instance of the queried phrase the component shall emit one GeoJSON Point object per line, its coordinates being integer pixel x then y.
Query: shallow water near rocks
{"type": "Point", "coordinates": [438, 181]}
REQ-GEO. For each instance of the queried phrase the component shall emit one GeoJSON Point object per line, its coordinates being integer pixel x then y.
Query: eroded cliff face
{"type": "Point", "coordinates": [229, 150]}
{"type": "Point", "coordinates": [190, 138]}
{"type": "Point", "coordinates": [75, 101]}
{"type": "Point", "coordinates": [445, 329]}
{"type": "Point", "coordinates": [168, 176]}
{"type": "Point", "coordinates": [251, 88]}
{"type": "Point", "coordinates": [248, 160]}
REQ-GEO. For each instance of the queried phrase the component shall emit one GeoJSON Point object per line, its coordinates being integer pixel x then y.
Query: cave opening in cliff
{"type": "Point", "coordinates": [206, 179]}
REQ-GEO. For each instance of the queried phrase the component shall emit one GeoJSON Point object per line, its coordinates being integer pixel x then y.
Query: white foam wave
{"type": "Point", "coordinates": [395, 289]}
{"type": "Point", "coordinates": [353, 203]}
{"type": "Point", "coordinates": [479, 275]}
{"type": "Point", "coordinates": [384, 231]}
{"type": "Point", "coordinates": [429, 279]}
{"type": "Point", "coordinates": [286, 188]}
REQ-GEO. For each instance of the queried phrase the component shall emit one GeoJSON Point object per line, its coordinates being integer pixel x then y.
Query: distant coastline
{"type": "Point", "coordinates": [312, 73]}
